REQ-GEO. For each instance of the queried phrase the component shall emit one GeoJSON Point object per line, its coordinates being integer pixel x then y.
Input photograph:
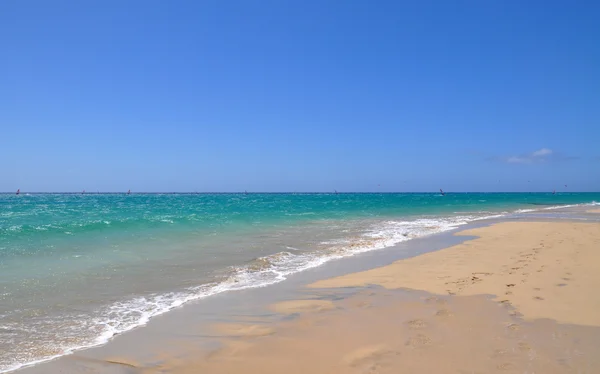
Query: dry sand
{"type": "Point", "coordinates": [594, 211]}
{"type": "Point", "coordinates": [544, 316]}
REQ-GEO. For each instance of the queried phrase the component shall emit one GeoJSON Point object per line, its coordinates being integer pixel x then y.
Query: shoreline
{"type": "Point", "coordinates": [115, 344]}
{"type": "Point", "coordinates": [397, 321]}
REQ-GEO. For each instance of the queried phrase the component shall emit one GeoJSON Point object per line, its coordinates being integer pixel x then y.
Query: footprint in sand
{"type": "Point", "coordinates": [561, 284]}
{"type": "Point", "coordinates": [514, 313]}
{"type": "Point", "coordinates": [416, 324]}
{"type": "Point", "coordinates": [506, 366]}
{"type": "Point", "coordinates": [524, 347]}
{"type": "Point", "coordinates": [373, 369]}
{"type": "Point", "coordinates": [419, 340]}
{"type": "Point", "coordinates": [513, 327]}
{"type": "Point", "coordinates": [564, 362]}
{"type": "Point", "coordinates": [538, 298]}
{"type": "Point", "coordinates": [434, 299]}
{"type": "Point", "coordinates": [444, 313]}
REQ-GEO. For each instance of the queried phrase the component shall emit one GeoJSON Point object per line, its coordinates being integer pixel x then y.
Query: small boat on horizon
{"type": "Point", "coordinates": [18, 191]}
{"type": "Point", "coordinates": [128, 192]}
{"type": "Point", "coordinates": [442, 192]}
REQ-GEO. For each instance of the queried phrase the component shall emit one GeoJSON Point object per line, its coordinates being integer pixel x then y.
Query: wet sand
{"type": "Point", "coordinates": [390, 332]}
{"type": "Point", "coordinates": [521, 297]}
{"type": "Point", "coordinates": [594, 211]}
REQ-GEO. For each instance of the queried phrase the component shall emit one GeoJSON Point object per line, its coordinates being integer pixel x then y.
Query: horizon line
{"type": "Point", "coordinates": [280, 192]}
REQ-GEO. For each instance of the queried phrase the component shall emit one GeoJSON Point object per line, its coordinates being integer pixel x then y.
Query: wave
{"type": "Point", "coordinates": [526, 210]}
{"type": "Point", "coordinates": [563, 206]}
{"type": "Point", "coordinates": [89, 226]}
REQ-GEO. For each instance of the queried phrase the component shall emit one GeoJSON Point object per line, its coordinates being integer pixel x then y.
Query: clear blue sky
{"type": "Point", "coordinates": [302, 95]}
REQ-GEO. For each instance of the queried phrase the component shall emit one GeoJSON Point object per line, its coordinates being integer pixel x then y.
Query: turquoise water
{"type": "Point", "coordinates": [77, 269]}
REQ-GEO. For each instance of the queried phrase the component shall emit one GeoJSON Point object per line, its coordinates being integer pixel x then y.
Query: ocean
{"type": "Point", "coordinates": [77, 269]}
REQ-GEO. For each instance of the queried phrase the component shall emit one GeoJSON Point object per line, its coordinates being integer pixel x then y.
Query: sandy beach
{"type": "Point", "coordinates": [521, 297]}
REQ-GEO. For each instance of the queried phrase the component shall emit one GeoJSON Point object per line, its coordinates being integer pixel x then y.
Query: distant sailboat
{"type": "Point", "coordinates": [18, 191]}
{"type": "Point", "coordinates": [336, 192]}
{"type": "Point", "coordinates": [128, 192]}
{"type": "Point", "coordinates": [83, 192]}
{"type": "Point", "coordinates": [553, 192]}
{"type": "Point", "coordinates": [442, 192]}
{"type": "Point", "coordinates": [245, 192]}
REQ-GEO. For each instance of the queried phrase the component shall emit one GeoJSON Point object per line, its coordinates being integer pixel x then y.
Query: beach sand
{"type": "Point", "coordinates": [594, 211]}
{"type": "Point", "coordinates": [520, 298]}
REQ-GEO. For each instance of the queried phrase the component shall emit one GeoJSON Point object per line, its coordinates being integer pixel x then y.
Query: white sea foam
{"type": "Point", "coordinates": [561, 206]}
{"type": "Point", "coordinates": [525, 210]}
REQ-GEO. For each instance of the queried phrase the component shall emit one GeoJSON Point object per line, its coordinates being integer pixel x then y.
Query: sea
{"type": "Point", "coordinates": [78, 269]}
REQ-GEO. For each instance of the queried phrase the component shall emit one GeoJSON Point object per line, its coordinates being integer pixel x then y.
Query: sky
{"type": "Point", "coordinates": [299, 95]}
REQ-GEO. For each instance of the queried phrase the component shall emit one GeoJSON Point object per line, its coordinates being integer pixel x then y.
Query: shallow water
{"type": "Point", "coordinates": [77, 269]}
